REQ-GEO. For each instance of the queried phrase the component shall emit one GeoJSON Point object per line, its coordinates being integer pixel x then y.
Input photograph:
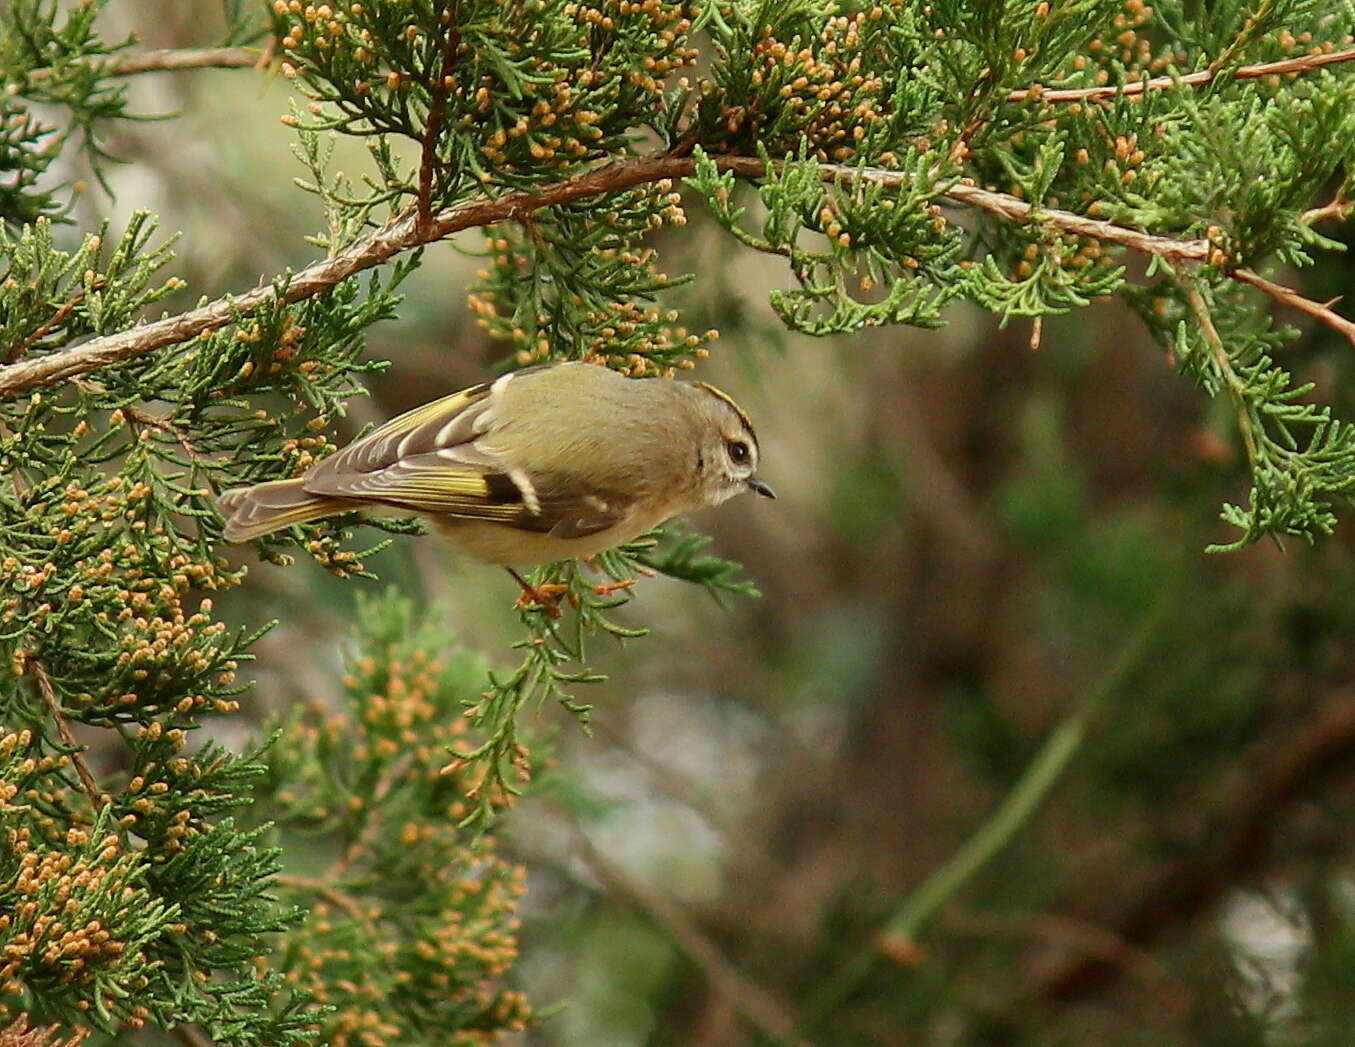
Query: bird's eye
{"type": "Point", "coordinates": [738, 451]}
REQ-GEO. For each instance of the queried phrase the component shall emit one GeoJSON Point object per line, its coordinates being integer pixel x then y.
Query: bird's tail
{"type": "Point", "coordinates": [252, 512]}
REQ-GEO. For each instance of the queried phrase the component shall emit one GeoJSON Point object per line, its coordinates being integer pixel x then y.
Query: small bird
{"type": "Point", "coordinates": [550, 462]}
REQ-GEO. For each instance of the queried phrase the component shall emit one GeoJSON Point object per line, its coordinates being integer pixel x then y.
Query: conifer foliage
{"type": "Point", "coordinates": [1025, 157]}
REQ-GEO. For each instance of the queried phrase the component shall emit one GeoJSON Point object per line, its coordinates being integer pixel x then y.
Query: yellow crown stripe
{"type": "Point", "coordinates": [720, 394]}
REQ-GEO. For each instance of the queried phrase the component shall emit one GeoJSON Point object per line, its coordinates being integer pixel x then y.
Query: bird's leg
{"type": "Point", "coordinates": [542, 596]}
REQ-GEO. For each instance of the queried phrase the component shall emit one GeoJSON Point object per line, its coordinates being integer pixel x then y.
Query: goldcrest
{"type": "Point", "coordinates": [544, 464]}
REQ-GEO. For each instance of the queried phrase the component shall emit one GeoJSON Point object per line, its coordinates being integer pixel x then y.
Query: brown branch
{"type": "Point", "coordinates": [1006, 206]}
{"type": "Point", "coordinates": [772, 1015]}
{"type": "Point", "coordinates": [162, 424]}
{"type": "Point", "coordinates": [408, 231]}
{"type": "Point", "coordinates": [22, 1033]}
{"type": "Point", "coordinates": [1301, 64]}
{"type": "Point", "coordinates": [1237, 390]}
{"type": "Point", "coordinates": [404, 232]}
{"type": "Point", "coordinates": [1234, 850]}
{"type": "Point", "coordinates": [1338, 208]}
{"type": "Point", "coordinates": [400, 234]}
{"type": "Point", "coordinates": [437, 109]}
{"type": "Point", "coordinates": [168, 60]}
{"type": "Point", "coordinates": [1286, 296]}
{"type": "Point", "coordinates": [47, 326]}
{"type": "Point", "coordinates": [172, 60]}
{"type": "Point", "coordinates": [49, 698]}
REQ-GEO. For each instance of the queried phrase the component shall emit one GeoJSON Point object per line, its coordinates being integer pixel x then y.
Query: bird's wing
{"type": "Point", "coordinates": [440, 458]}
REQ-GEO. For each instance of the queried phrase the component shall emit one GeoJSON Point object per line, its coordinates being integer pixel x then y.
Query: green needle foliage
{"type": "Point", "coordinates": [898, 156]}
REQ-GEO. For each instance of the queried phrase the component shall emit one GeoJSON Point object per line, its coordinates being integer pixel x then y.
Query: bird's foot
{"type": "Point", "coordinates": [538, 596]}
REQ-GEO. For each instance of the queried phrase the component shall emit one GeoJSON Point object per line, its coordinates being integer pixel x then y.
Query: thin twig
{"type": "Point", "coordinates": [1080, 937]}
{"type": "Point", "coordinates": [1236, 387]}
{"type": "Point", "coordinates": [437, 108]}
{"type": "Point", "coordinates": [1244, 36]}
{"type": "Point", "coordinates": [1338, 208]}
{"type": "Point", "coordinates": [160, 423]}
{"type": "Point", "coordinates": [75, 750]}
{"type": "Point", "coordinates": [1007, 206]}
{"type": "Point", "coordinates": [1301, 64]}
{"type": "Point", "coordinates": [404, 232]}
{"type": "Point", "coordinates": [164, 425]}
{"type": "Point", "coordinates": [174, 59]}
{"type": "Point", "coordinates": [167, 60]}
{"type": "Point", "coordinates": [46, 327]}
{"type": "Point", "coordinates": [773, 1016]}
{"type": "Point", "coordinates": [1286, 296]}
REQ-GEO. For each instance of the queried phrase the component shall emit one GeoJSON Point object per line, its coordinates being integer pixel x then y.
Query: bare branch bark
{"type": "Point", "coordinates": [325, 891]}
{"type": "Point", "coordinates": [51, 324]}
{"type": "Point", "coordinates": [1236, 387]}
{"type": "Point", "coordinates": [53, 703]}
{"type": "Point", "coordinates": [1301, 64]}
{"type": "Point", "coordinates": [405, 232]}
{"type": "Point", "coordinates": [171, 60]}
{"type": "Point", "coordinates": [1339, 209]}
{"type": "Point", "coordinates": [400, 234]}
{"type": "Point", "coordinates": [1007, 206]}
{"type": "Point", "coordinates": [437, 108]}
{"type": "Point", "coordinates": [1286, 296]}
{"type": "Point", "coordinates": [413, 229]}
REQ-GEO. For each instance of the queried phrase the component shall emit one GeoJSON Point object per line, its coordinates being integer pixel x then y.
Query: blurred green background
{"type": "Point", "coordinates": [971, 537]}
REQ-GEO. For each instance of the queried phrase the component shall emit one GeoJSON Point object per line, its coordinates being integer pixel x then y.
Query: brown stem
{"type": "Point", "coordinates": [400, 234]}
{"type": "Point", "coordinates": [1214, 341]}
{"type": "Point", "coordinates": [1302, 64]}
{"type": "Point", "coordinates": [1076, 938]}
{"type": "Point", "coordinates": [46, 327]}
{"type": "Point", "coordinates": [166, 60]}
{"type": "Point", "coordinates": [1291, 298]}
{"type": "Point", "coordinates": [1007, 206]}
{"type": "Point", "coordinates": [76, 751]}
{"type": "Point", "coordinates": [170, 60]}
{"type": "Point", "coordinates": [1244, 36]}
{"type": "Point", "coordinates": [437, 109]}
{"type": "Point", "coordinates": [404, 232]}
{"type": "Point", "coordinates": [163, 424]}
{"type": "Point", "coordinates": [1338, 208]}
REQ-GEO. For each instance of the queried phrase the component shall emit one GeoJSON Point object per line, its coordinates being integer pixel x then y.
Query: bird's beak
{"type": "Point", "coordinates": [760, 487]}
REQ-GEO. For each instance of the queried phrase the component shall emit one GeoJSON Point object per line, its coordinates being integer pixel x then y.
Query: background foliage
{"type": "Point", "coordinates": [987, 627]}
